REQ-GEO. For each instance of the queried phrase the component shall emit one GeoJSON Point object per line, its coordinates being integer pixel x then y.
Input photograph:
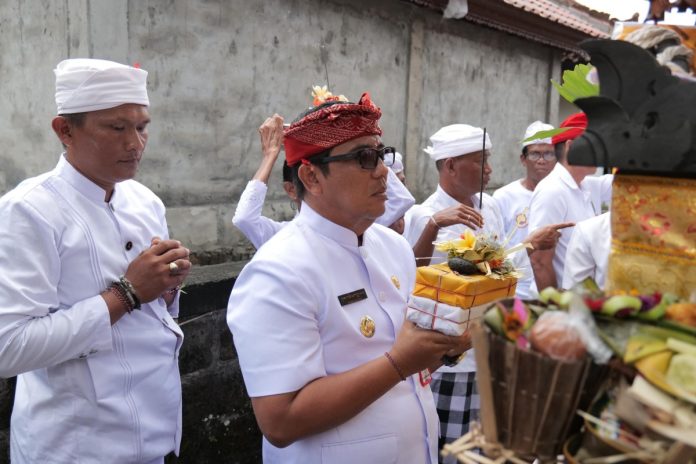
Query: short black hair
{"type": "Point", "coordinates": [287, 172]}
{"type": "Point", "coordinates": [439, 163]}
{"type": "Point", "coordinates": [75, 119]}
{"type": "Point", "coordinates": [525, 149]}
{"type": "Point", "coordinates": [297, 182]}
{"type": "Point", "coordinates": [558, 149]}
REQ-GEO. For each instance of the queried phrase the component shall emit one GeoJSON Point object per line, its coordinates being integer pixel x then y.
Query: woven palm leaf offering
{"type": "Point", "coordinates": [644, 123]}
{"type": "Point", "coordinates": [588, 374]}
{"type": "Point", "coordinates": [449, 296]}
{"type": "Point", "coordinates": [537, 364]}
{"type": "Point", "coordinates": [652, 416]}
{"type": "Point", "coordinates": [541, 364]}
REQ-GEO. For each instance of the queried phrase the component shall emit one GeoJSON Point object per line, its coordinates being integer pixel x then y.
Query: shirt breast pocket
{"type": "Point", "coordinates": [381, 449]}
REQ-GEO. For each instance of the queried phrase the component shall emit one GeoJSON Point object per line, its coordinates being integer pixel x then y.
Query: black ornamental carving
{"type": "Point", "coordinates": [644, 120]}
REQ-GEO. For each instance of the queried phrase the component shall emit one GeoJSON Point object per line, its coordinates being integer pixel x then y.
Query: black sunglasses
{"type": "Point", "coordinates": [367, 157]}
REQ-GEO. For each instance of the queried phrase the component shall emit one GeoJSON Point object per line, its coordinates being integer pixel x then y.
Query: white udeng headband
{"type": "Point", "coordinates": [456, 140]}
{"type": "Point", "coordinates": [89, 85]}
{"type": "Point", "coordinates": [536, 126]}
{"type": "Point", "coordinates": [398, 164]}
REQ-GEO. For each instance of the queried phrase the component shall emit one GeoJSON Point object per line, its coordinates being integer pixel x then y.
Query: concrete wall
{"type": "Point", "coordinates": [487, 79]}
{"type": "Point", "coordinates": [218, 68]}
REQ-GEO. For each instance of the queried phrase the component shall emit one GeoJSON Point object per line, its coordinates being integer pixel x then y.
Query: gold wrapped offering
{"type": "Point", "coordinates": [439, 283]}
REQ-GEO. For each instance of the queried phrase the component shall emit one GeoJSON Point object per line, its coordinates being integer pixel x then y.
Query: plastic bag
{"type": "Point", "coordinates": [555, 334]}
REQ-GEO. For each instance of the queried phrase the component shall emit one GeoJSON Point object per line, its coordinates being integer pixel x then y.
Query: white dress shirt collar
{"type": "Point", "coordinates": [562, 173]}
{"type": "Point", "coordinates": [448, 200]}
{"type": "Point", "coordinates": [81, 183]}
{"type": "Point", "coordinates": [325, 227]}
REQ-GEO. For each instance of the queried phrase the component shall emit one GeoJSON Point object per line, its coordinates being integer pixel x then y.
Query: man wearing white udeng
{"type": "Point", "coordinates": [90, 286]}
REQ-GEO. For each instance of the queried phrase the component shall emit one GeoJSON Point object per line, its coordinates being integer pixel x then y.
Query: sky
{"type": "Point", "coordinates": [624, 9]}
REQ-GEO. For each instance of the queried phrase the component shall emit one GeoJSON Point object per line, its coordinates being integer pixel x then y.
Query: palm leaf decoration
{"type": "Point", "coordinates": [575, 85]}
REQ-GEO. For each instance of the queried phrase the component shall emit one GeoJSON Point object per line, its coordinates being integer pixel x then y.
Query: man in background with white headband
{"type": "Point", "coordinates": [398, 167]}
{"type": "Point", "coordinates": [461, 157]}
{"type": "Point", "coordinates": [458, 152]}
{"type": "Point", "coordinates": [90, 286]}
{"type": "Point", "coordinates": [538, 159]}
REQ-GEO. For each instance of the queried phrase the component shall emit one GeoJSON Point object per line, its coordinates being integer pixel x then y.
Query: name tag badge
{"type": "Point", "coordinates": [424, 377]}
{"type": "Point", "coordinates": [352, 297]}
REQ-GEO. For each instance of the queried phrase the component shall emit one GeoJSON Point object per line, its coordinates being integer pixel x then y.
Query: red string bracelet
{"type": "Point", "coordinates": [396, 366]}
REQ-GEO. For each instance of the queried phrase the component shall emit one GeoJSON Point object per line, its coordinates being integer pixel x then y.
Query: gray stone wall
{"type": "Point", "coordinates": [218, 68]}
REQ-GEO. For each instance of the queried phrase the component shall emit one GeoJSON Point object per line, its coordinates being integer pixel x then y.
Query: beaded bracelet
{"type": "Point", "coordinates": [116, 289]}
{"type": "Point", "coordinates": [173, 290]}
{"type": "Point", "coordinates": [396, 366]}
{"type": "Point", "coordinates": [130, 291]}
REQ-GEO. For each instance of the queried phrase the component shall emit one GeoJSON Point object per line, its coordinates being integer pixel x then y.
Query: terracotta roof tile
{"type": "Point", "coordinates": [553, 12]}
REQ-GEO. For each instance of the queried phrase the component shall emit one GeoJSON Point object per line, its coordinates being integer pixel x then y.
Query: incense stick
{"type": "Point", "coordinates": [483, 167]}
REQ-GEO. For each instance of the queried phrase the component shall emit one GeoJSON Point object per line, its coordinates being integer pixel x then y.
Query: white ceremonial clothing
{"type": "Point", "coordinates": [558, 198]}
{"type": "Point", "coordinates": [247, 217]}
{"type": "Point", "coordinates": [600, 191]}
{"type": "Point", "coordinates": [418, 217]}
{"type": "Point", "coordinates": [398, 164]}
{"type": "Point", "coordinates": [513, 200]}
{"type": "Point", "coordinates": [258, 229]}
{"type": "Point", "coordinates": [87, 84]}
{"type": "Point", "coordinates": [456, 140]}
{"type": "Point", "coordinates": [87, 392]}
{"type": "Point", "coordinates": [289, 328]}
{"type": "Point", "coordinates": [399, 200]}
{"type": "Point", "coordinates": [588, 251]}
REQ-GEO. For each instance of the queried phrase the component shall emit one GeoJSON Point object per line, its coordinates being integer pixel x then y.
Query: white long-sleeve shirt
{"type": "Point", "coordinates": [258, 228]}
{"type": "Point", "coordinates": [248, 218]}
{"type": "Point", "coordinates": [558, 198]}
{"type": "Point", "coordinates": [588, 251]}
{"type": "Point", "coordinates": [513, 200]}
{"type": "Point", "coordinates": [87, 391]}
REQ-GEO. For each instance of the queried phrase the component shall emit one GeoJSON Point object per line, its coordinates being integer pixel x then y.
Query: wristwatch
{"type": "Point", "coordinates": [451, 361]}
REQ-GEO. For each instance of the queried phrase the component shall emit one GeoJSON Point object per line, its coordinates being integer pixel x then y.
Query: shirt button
{"type": "Point", "coordinates": [129, 245]}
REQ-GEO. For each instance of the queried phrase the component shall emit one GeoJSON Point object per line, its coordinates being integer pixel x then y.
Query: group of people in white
{"type": "Point", "coordinates": [90, 288]}
{"type": "Point", "coordinates": [558, 208]}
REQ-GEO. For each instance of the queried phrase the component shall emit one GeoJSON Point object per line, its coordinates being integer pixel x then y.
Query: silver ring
{"type": "Point", "coordinates": [173, 268]}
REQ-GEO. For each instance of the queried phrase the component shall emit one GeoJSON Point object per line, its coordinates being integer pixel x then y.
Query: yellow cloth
{"type": "Point", "coordinates": [439, 283]}
{"type": "Point", "coordinates": [653, 235]}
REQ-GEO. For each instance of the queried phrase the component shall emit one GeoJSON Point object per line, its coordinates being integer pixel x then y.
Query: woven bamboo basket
{"type": "Point", "coordinates": [528, 400]}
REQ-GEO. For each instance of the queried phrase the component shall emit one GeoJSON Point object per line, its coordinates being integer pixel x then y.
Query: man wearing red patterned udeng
{"type": "Point", "coordinates": [568, 193]}
{"type": "Point", "coordinates": [318, 315]}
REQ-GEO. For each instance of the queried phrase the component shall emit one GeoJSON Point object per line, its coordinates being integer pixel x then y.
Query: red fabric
{"type": "Point", "coordinates": [577, 122]}
{"type": "Point", "coordinates": [329, 127]}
